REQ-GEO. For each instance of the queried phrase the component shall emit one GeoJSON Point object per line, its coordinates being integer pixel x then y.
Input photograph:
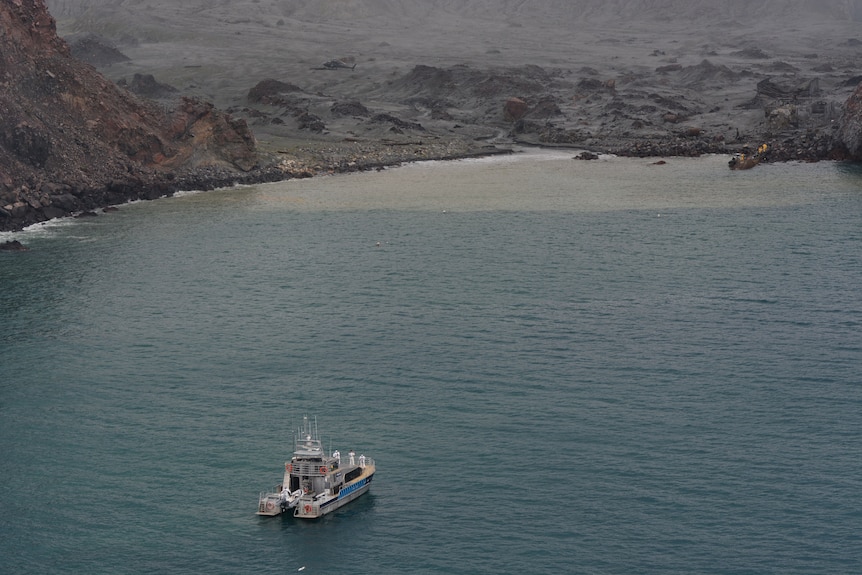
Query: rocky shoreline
{"type": "Point", "coordinates": [84, 125]}
{"type": "Point", "coordinates": [63, 200]}
{"type": "Point", "coordinates": [54, 200]}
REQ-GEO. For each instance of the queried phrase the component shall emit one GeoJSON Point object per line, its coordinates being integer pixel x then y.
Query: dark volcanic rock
{"type": "Point", "coordinates": [96, 51]}
{"type": "Point", "coordinates": [462, 83]}
{"type": "Point", "coordinates": [397, 122]}
{"type": "Point", "coordinates": [521, 80]}
{"type": "Point", "coordinates": [591, 85]}
{"type": "Point", "coordinates": [752, 53]}
{"type": "Point", "coordinates": [30, 144]}
{"type": "Point", "coordinates": [268, 91]}
{"type": "Point", "coordinates": [545, 108]}
{"type": "Point", "coordinates": [146, 85]}
{"type": "Point", "coordinates": [706, 72]}
{"type": "Point", "coordinates": [13, 246]}
{"type": "Point", "coordinates": [307, 121]}
{"type": "Point", "coordinates": [63, 126]}
{"type": "Point", "coordinates": [779, 88]}
{"type": "Point", "coordinates": [351, 108]}
{"type": "Point", "coordinates": [428, 81]}
{"type": "Point", "coordinates": [850, 132]}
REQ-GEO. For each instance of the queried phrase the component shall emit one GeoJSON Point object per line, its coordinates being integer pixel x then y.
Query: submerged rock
{"type": "Point", "coordinates": [13, 246]}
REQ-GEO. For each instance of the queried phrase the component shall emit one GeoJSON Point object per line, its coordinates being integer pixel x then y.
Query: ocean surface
{"type": "Point", "coordinates": [604, 367]}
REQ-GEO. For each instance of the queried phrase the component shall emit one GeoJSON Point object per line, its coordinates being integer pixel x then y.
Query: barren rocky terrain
{"type": "Point", "coordinates": [631, 77]}
{"type": "Point", "coordinates": [355, 84]}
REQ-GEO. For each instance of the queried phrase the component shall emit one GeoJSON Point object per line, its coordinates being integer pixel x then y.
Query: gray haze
{"type": "Point", "coordinates": [561, 12]}
{"type": "Point", "coordinates": [219, 49]}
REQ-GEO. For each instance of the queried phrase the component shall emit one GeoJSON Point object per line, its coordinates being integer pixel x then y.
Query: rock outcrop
{"type": "Point", "coordinates": [147, 86]}
{"type": "Point", "coordinates": [71, 140]}
{"type": "Point", "coordinates": [850, 133]}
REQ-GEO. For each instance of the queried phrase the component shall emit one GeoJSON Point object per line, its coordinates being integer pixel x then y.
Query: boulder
{"type": "Point", "coordinates": [586, 155]}
{"type": "Point", "coordinates": [66, 202]}
{"type": "Point", "coordinates": [307, 121]}
{"type": "Point", "coordinates": [788, 89]}
{"type": "Point", "coordinates": [13, 246]}
{"type": "Point", "coordinates": [782, 118]}
{"type": "Point", "coordinates": [514, 109]}
{"type": "Point", "coordinates": [51, 212]}
{"type": "Point", "coordinates": [146, 85]}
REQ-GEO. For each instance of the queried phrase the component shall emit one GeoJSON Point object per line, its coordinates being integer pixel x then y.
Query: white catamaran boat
{"type": "Point", "coordinates": [315, 483]}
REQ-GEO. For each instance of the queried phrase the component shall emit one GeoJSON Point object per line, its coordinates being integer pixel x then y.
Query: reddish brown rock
{"type": "Point", "coordinates": [63, 122]}
{"type": "Point", "coordinates": [514, 109]}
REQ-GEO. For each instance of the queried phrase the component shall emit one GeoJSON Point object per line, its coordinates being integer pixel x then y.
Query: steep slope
{"type": "Point", "coordinates": [72, 140]}
{"type": "Point", "coordinates": [850, 133]}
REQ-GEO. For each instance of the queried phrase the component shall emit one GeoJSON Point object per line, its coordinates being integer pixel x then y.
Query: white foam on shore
{"type": "Point", "coordinates": [39, 230]}
{"type": "Point", "coordinates": [520, 154]}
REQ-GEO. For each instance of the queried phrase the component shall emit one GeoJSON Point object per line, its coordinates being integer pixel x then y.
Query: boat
{"type": "Point", "coordinates": [316, 483]}
{"type": "Point", "coordinates": [746, 162]}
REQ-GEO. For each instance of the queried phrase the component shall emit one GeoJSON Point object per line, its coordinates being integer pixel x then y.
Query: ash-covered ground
{"type": "Point", "coordinates": [636, 77]}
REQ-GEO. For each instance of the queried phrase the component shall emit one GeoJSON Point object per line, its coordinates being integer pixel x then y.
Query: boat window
{"type": "Point", "coordinates": [353, 474]}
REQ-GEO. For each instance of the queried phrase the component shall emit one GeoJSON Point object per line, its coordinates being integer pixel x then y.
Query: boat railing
{"type": "Point", "coordinates": [360, 460]}
{"type": "Point", "coordinates": [319, 469]}
{"type": "Point", "coordinates": [310, 469]}
{"type": "Point", "coordinates": [274, 492]}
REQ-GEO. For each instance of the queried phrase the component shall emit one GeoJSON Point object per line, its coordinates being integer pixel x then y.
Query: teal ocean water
{"type": "Point", "coordinates": [560, 367]}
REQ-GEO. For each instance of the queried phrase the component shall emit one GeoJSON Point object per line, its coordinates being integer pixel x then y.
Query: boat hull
{"type": "Point", "coordinates": [316, 483]}
{"type": "Point", "coordinates": [311, 508]}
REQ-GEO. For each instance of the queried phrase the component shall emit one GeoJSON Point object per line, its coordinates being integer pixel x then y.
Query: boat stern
{"type": "Point", "coordinates": [308, 509]}
{"type": "Point", "coordinates": [269, 504]}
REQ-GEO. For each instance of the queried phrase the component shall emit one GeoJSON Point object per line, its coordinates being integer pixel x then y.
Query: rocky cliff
{"type": "Point", "coordinates": [850, 134]}
{"type": "Point", "coordinates": [71, 140]}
